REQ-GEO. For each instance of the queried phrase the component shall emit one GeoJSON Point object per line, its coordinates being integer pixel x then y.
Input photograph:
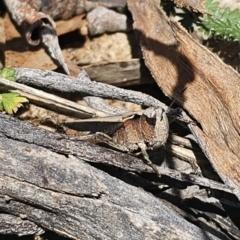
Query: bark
{"type": "Point", "coordinates": [10, 224]}
{"type": "Point", "coordinates": [120, 73]}
{"type": "Point", "coordinates": [60, 143]}
{"type": "Point", "coordinates": [46, 181]}
{"type": "Point", "coordinates": [79, 201]}
{"type": "Point", "coordinates": [82, 85]}
{"type": "Point", "coordinates": [58, 9]}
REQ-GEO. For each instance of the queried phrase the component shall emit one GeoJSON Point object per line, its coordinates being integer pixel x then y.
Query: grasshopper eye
{"type": "Point", "coordinates": [151, 121]}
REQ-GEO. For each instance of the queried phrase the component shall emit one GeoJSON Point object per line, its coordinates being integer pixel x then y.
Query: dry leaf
{"type": "Point", "coordinates": [37, 28]}
{"type": "Point", "coordinates": [66, 26]}
{"type": "Point", "coordinates": [19, 54]}
{"type": "Point", "coordinates": [200, 82]}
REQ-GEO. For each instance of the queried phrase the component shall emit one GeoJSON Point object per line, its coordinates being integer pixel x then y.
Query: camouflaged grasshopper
{"type": "Point", "coordinates": [144, 130]}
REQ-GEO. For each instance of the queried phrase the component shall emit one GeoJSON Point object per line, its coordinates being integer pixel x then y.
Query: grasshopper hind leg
{"type": "Point", "coordinates": [147, 160]}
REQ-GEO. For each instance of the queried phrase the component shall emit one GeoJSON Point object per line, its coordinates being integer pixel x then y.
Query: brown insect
{"type": "Point", "coordinates": [149, 130]}
{"type": "Point", "coordinates": [144, 130]}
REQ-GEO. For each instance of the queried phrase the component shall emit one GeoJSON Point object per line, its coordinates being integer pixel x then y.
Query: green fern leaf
{"type": "Point", "coordinates": [11, 102]}
{"type": "Point", "coordinates": [223, 22]}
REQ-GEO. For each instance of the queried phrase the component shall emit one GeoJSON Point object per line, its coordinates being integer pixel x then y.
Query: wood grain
{"type": "Point", "coordinates": [76, 200]}
{"type": "Point", "coordinates": [200, 82]}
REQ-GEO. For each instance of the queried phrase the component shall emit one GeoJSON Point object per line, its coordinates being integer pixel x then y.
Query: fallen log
{"type": "Point", "coordinates": [79, 201]}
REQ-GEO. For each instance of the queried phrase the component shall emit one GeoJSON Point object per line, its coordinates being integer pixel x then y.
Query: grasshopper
{"type": "Point", "coordinates": [144, 130]}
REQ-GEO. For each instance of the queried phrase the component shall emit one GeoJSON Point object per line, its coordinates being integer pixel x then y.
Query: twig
{"type": "Point", "coordinates": [98, 103]}
{"type": "Point", "coordinates": [82, 85]}
{"type": "Point", "coordinates": [50, 101]}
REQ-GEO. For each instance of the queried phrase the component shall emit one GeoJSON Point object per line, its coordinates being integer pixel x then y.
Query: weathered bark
{"type": "Point", "coordinates": [28, 19]}
{"type": "Point", "coordinates": [10, 224]}
{"type": "Point", "coordinates": [76, 200]}
{"type": "Point", "coordinates": [53, 173]}
{"type": "Point", "coordinates": [82, 85]}
{"type": "Point", "coordinates": [22, 131]}
{"type": "Point", "coordinates": [120, 73]}
{"type": "Point", "coordinates": [44, 180]}
{"type": "Point", "coordinates": [58, 9]}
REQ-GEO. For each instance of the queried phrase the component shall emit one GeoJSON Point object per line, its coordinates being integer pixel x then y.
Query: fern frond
{"type": "Point", "coordinates": [222, 22]}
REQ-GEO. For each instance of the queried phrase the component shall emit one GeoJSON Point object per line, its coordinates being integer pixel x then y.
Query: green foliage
{"type": "Point", "coordinates": [223, 22]}
{"type": "Point", "coordinates": [8, 73]}
{"type": "Point", "coordinates": [10, 102]}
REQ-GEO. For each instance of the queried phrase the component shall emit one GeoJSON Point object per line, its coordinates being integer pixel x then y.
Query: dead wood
{"type": "Point", "coordinates": [67, 9]}
{"type": "Point", "coordinates": [82, 85]}
{"type": "Point", "coordinates": [200, 82]}
{"type": "Point", "coordinates": [50, 101]}
{"type": "Point", "coordinates": [76, 200]}
{"type": "Point", "coordinates": [63, 26]}
{"type": "Point", "coordinates": [10, 224]}
{"type": "Point", "coordinates": [46, 181]}
{"type": "Point", "coordinates": [60, 143]}
{"type": "Point", "coordinates": [120, 73]}
{"type": "Point", "coordinates": [28, 19]}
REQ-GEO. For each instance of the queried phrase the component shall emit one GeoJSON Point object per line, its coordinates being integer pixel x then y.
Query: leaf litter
{"type": "Point", "coordinates": [85, 51]}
